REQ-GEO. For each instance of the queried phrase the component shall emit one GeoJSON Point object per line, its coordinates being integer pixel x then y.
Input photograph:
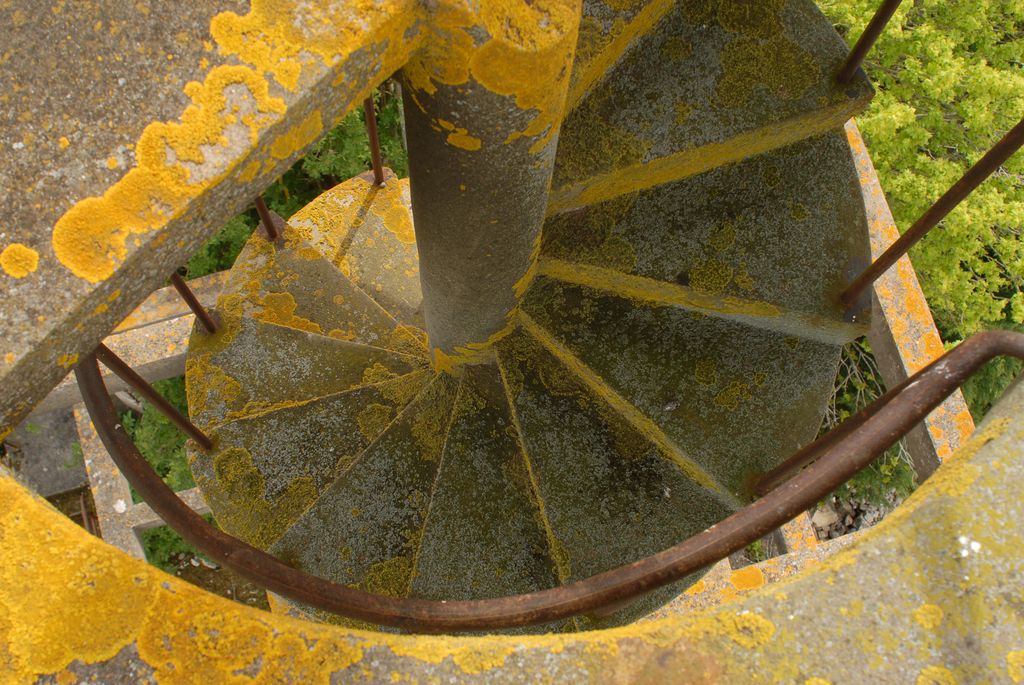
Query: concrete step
{"type": "Point", "coordinates": [609, 495]}
{"type": "Point", "coordinates": [248, 367]}
{"type": "Point", "coordinates": [710, 84]}
{"type": "Point", "coordinates": [299, 289]}
{"type": "Point", "coordinates": [774, 239]}
{"type": "Point", "coordinates": [366, 231]}
{"type": "Point", "coordinates": [607, 30]}
{"type": "Point", "coordinates": [485, 534]}
{"type": "Point", "coordinates": [365, 529]}
{"type": "Point", "coordinates": [268, 468]}
{"type": "Point", "coordinates": [726, 401]}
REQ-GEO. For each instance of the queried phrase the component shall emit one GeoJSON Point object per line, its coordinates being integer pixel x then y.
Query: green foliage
{"type": "Point", "coordinates": [77, 457]}
{"type": "Point", "coordinates": [163, 544]}
{"type": "Point", "coordinates": [757, 552]}
{"type": "Point", "coordinates": [342, 153]}
{"type": "Point", "coordinates": [950, 83]}
{"type": "Point", "coordinates": [220, 252]}
{"type": "Point", "coordinates": [159, 440]}
{"type": "Point", "coordinates": [858, 383]}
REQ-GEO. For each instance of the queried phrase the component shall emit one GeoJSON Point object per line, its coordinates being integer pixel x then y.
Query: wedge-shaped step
{"type": "Point", "coordinates": [267, 469]}
{"type": "Point", "coordinates": [609, 496]}
{"type": "Point", "coordinates": [365, 529]}
{"type": "Point", "coordinates": [711, 83]}
{"type": "Point", "coordinates": [778, 235]}
{"type": "Point", "coordinates": [367, 232]}
{"type": "Point", "coordinates": [297, 287]}
{"type": "Point", "coordinates": [484, 536]}
{"type": "Point", "coordinates": [255, 365]}
{"type": "Point", "coordinates": [607, 30]}
{"type": "Point", "coordinates": [727, 401]}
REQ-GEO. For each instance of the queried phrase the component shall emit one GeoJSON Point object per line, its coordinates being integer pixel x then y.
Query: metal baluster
{"type": "Point", "coordinates": [992, 160]}
{"type": "Point", "coordinates": [867, 39]}
{"type": "Point", "coordinates": [128, 375]}
{"type": "Point", "coordinates": [204, 317]}
{"type": "Point", "coordinates": [371, 132]}
{"type": "Point", "coordinates": [268, 221]}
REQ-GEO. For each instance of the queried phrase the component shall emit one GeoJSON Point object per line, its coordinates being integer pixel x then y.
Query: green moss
{"type": "Point", "coordinates": [589, 237]}
{"type": "Point", "coordinates": [777, 64]}
{"type": "Point", "coordinates": [162, 544]}
{"type": "Point", "coordinates": [591, 144]}
{"type": "Point", "coordinates": [754, 18]}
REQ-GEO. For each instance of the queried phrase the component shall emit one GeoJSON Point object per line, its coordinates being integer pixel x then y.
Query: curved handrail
{"type": "Point", "coordinates": [853, 452]}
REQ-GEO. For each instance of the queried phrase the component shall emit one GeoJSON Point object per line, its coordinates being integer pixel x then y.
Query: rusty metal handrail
{"type": "Point", "coordinates": [844, 457]}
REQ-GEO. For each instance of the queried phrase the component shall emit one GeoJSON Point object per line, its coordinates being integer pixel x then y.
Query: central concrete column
{"type": "Point", "coordinates": [483, 102]}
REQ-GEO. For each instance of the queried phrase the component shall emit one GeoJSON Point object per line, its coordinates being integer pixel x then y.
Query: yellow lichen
{"type": "Point", "coordinates": [478, 661]}
{"type": "Point", "coordinates": [1015, 666]}
{"type": "Point", "coordinates": [777, 64]}
{"type": "Point", "coordinates": [731, 396]}
{"type": "Point", "coordinates": [706, 372]}
{"type": "Point", "coordinates": [374, 418]}
{"type": "Point", "coordinates": [748, 630]}
{"type": "Point", "coordinates": [747, 578]}
{"type": "Point", "coordinates": [936, 675]}
{"type": "Point", "coordinates": [91, 238]}
{"type": "Point", "coordinates": [377, 373]}
{"type": "Point", "coordinates": [279, 308]}
{"type": "Point", "coordinates": [245, 512]}
{"type": "Point", "coordinates": [67, 360]}
{"type": "Point", "coordinates": [711, 277]}
{"type": "Point", "coordinates": [19, 260]}
{"type": "Point", "coordinates": [297, 137]}
{"type": "Point", "coordinates": [928, 616]}
{"type": "Point", "coordinates": [599, 49]}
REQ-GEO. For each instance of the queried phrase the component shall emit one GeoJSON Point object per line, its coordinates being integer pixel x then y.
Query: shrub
{"type": "Point", "coordinates": [950, 83]}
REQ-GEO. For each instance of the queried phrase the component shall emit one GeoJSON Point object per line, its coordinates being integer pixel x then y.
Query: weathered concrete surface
{"type": "Point", "coordinates": [269, 466]}
{"type": "Point", "coordinates": [110, 491]}
{"type": "Point", "coordinates": [607, 30]}
{"type": "Point", "coordinates": [903, 336]}
{"type": "Point", "coordinates": [40, 453]}
{"type": "Point", "coordinates": [152, 340]}
{"type": "Point", "coordinates": [928, 594]}
{"type": "Point", "coordinates": [121, 520]}
{"type": "Point", "coordinates": [141, 170]}
{"type": "Point", "coordinates": [780, 234]}
{"type": "Point", "coordinates": [725, 400]}
{"type": "Point", "coordinates": [483, 103]}
{"type": "Point", "coordinates": [711, 83]}
{"type": "Point", "coordinates": [166, 303]}
{"type": "Point", "coordinates": [485, 534]}
{"type": "Point", "coordinates": [367, 232]}
{"type": "Point", "coordinates": [366, 528]}
{"type": "Point", "coordinates": [609, 496]}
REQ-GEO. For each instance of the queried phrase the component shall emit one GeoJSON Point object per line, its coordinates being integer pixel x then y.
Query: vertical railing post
{"type": "Point", "coordinates": [202, 315]}
{"type": "Point", "coordinates": [267, 220]}
{"type": "Point", "coordinates": [139, 384]}
{"type": "Point", "coordinates": [867, 39]}
{"type": "Point", "coordinates": [984, 168]}
{"type": "Point", "coordinates": [371, 132]}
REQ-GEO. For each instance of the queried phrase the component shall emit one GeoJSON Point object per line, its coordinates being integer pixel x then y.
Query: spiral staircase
{"type": "Point", "coordinates": [674, 337]}
{"type": "Point", "coordinates": [604, 305]}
